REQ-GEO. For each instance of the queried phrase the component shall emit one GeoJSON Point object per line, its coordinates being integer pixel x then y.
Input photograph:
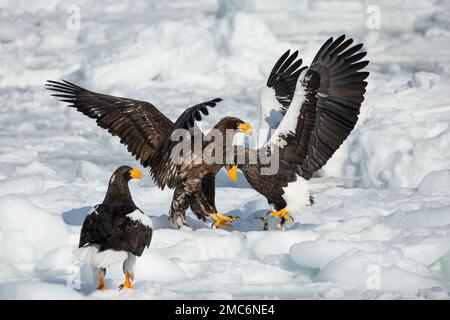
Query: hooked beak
{"type": "Point", "coordinates": [232, 173]}
{"type": "Point", "coordinates": [245, 128]}
{"type": "Point", "coordinates": [135, 173]}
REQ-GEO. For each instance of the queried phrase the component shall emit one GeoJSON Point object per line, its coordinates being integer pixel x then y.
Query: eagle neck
{"type": "Point", "coordinates": [227, 140]}
{"type": "Point", "coordinates": [118, 191]}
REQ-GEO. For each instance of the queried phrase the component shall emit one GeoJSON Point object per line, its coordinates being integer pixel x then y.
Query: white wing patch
{"type": "Point", "coordinates": [138, 216]}
{"type": "Point", "coordinates": [290, 119]}
{"type": "Point", "coordinates": [271, 114]}
{"type": "Point", "coordinates": [94, 258]}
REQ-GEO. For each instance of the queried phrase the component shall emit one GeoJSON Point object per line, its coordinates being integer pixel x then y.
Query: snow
{"type": "Point", "coordinates": [382, 234]}
{"type": "Point", "coordinates": [436, 182]}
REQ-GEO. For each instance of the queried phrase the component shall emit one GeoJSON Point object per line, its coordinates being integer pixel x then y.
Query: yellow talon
{"type": "Point", "coordinates": [127, 284]}
{"type": "Point", "coordinates": [221, 220]}
{"type": "Point", "coordinates": [101, 284]}
{"type": "Point", "coordinates": [281, 213]}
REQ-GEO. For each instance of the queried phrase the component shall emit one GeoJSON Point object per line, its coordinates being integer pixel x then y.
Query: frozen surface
{"type": "Point", "coordinates": [385, 237]}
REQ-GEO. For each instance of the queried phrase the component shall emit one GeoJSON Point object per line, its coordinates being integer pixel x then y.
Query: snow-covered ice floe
{"type": "Point", "coordinates": [385, 236]}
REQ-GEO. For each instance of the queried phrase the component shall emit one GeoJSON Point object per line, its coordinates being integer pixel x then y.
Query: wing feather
{"type": "Point", "coordinates": [276, 97]}
{"type": "Point", "coordinates": [324, 108]}
{"type": "Point", "coordinates": [164, 171]}
{"type": "Point", "coordinates": [336, 98]}
{"type": "Point", "coordinates": [139, 125]}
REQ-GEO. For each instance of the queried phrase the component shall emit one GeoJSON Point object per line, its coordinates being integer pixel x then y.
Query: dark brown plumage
{"type": "Point", "coordinates": [148, 135]}
{"type": "Point", "coordinates": [319, 106]}
{"type": "Point", "coordinates": [116, 229]}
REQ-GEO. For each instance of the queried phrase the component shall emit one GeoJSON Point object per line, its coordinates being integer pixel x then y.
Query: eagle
{"type": "Point", "coordinates": [115, 230]}
{"type": "Point", "coordinates": [306, 114]}
{"type": "Point", "coordinates": [155, 140]}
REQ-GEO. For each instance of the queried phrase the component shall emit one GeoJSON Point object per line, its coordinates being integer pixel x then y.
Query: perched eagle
{"type": "Point", "coordinates": [306, 114]}
{"type": "Point", "coordinates": [149, 136]}
{"type": "Point", "coordinates": [115, 230]}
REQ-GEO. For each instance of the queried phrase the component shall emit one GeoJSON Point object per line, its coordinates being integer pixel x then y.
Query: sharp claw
{"type": "Point", "coordinates": [282, 214]}
{"type": "Point", "coordinates": [127, 284]}
{"type": "Point", "coordinates": [221, 220]}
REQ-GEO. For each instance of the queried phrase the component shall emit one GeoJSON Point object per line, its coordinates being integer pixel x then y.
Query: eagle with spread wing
{"type": "Point", "coordinates": [306, 114]}
{"type": "Point", "coordinates": [149, 136]}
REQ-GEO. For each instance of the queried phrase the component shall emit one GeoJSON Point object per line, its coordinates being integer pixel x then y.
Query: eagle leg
{"type": "Point", "coordinates": [282, 214]}
{"type": "Point", "coordinates": [101, 284]}
{"type": "Point", "coordinates": [127, 284]}
{"type": "Point", "coordinates": [128, 270]}
{"type": "Point", "coordinates": [221, 220]}
{"type": "Point", "coordinates": [180, 202]}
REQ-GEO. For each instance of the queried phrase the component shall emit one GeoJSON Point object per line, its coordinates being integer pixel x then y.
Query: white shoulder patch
{"type": "Point", "coordinates": [138, 216]}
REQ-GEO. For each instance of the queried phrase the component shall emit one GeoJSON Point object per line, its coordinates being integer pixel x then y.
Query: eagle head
{"type": "Point", "coordinates": [233, 123]}
{"type": "Point", "coordinates": [127, 173]}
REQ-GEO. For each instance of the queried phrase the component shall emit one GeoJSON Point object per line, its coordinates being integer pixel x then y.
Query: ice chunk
{"type": "Point", "coordinates": [436, 182]}
{"type": "Point", "coordinates": [28, 232]}
{"type": "Point", "coordinates": [373, 271]}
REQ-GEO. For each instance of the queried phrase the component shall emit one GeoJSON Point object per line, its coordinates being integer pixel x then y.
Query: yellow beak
{"type": "Point", "coordinates": [245, 128]}
{"type": "Point", "coordinates": [232, 173]}
{"type": "Point", "coordinates": [135, 173]}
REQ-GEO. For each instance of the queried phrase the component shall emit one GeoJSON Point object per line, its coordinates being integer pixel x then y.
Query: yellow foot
{"type": "Point", "coordinates": [221, 220]}
{"type": "Point", "coordinates": [101, 284]}
{"type": "Point", "coordinates": [282, 213]}
{"type": "Point", "coordinates": [127, 284]}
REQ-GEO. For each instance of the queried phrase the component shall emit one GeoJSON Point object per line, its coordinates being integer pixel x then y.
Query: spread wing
{"type": "Point", "coordinates": [276, 96]}
{"type": "Point", "coordinates": [140, 126]}
{"type": "Point", "coordinates": [325, 106]}
{"type": "Point", "coordinates": [164, 168]}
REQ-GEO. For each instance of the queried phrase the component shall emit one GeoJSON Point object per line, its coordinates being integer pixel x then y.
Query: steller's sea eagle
{"type": "Point", "coordinates": [148, 135]}
{"type": "Point", "coordinates": [310, 111]}
{"type": "Point", "coordinates": [115, 230]}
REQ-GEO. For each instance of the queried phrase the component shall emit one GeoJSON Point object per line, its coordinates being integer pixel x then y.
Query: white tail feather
{"type": "Point", "coordinates": [94, 258]}
{"type": "Point", "coordinates": [317, 185]}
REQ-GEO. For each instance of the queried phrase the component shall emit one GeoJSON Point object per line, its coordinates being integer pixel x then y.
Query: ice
{"type": "Point", "coordinates": [364, 271]}
{"type": "Point", "coordinates": [316, 254]}
{"type": "Point", "coordinates": [27, 230]}
{"type": "Point", "coordinates": [157, 267]}
{"type": "Point", "coordinates": [436, 182]}
{"type": "Point", "coordinates": [8, 272]}
{"type": "Point", "coordinates": [24, 185]}
{"type": "Point", "coordinates": [273, 242]}
{"type": "Point", "coordinates": [384, 234]}
{"type": "Point", "coordinates": [37, 290]}
{"type": "Point", "coordinates": [56, 264]}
